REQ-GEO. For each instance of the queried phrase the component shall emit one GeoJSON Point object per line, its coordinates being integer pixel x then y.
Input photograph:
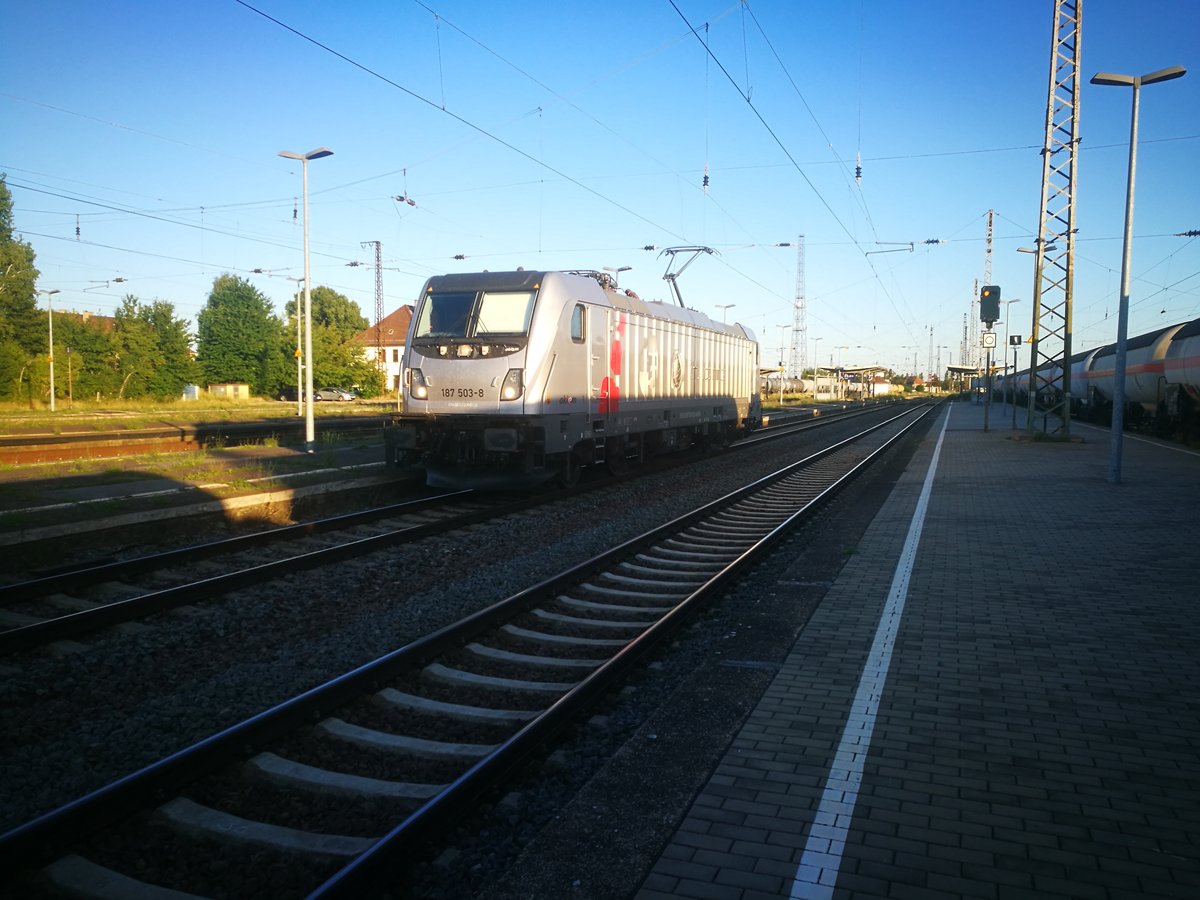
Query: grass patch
{"type": "Point", "coordinates": [128, 415]}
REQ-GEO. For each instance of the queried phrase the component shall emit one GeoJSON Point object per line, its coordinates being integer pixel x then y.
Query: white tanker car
{"type": "Point", "coordinates": [1162, 381]}
{"type": "Point", "coordinates": [514, 378]}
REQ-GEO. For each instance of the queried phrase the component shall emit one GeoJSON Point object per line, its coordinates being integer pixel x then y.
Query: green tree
{"type": "Point", "coordinates": [342, 364]}
{"type": "Point", "coordinates": [338, 361]}
{"type": "Point", "coordinates": [331, 310]}
{"type": "Point", "coordinates": [175, 342]}
{"type": "Point", "coordinates": [138, 354]}
{"type": "Point", "coordinates": [239, 338]}
{"type": "Point", "coordinates": [22, 326]}
{"type": "Point", "coordinates": [86, 356]}
{"type": "Point", "coordinates": [153, 350]}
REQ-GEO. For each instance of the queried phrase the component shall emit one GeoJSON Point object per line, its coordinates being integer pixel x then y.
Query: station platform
{"type": "Point", "coordinates": [40, 503]}
{"type": "Point", "coordinates": [998, 697]}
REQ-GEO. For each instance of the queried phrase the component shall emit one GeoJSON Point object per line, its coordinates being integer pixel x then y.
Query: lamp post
{"type": "Point", "coordinates": [309, 426]}
{"type": "Point", "coordinates": [298, 354]}
{"type": "Point", "coordinates": [839, 375]}
{"type": "Point", "coordinates": [782, 350]}
{"type": "Point", "coordinates": [1118, 399]}
{"type": "Point", "coordinates": [816, 379]}
{"type": "Point", "coordinates": [1010, 382]}
{"type": "Point", "coordinates": [724, 306]}
{"type": "Point", "coordinates": [50, 356]}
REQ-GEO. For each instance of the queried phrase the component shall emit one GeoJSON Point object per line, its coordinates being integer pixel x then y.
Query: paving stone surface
{"type": "Point", "coordinates": [1038, 729]}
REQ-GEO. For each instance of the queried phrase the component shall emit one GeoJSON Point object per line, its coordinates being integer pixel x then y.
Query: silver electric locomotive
{"type": "Point", "coordinates": [513, 378]}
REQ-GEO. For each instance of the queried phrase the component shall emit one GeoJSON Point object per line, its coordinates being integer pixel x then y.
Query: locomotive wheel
{"type": "Point", "coordinates": [614, 457]}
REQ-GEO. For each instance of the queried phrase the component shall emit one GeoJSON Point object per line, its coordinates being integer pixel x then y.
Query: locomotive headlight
{"type": "Point", "coordinates": [513, 386]}
{"type": "Point", "coordinates": [417, 385]}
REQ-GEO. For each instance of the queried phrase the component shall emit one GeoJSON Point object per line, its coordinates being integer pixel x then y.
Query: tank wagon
{"type": "Point", "coordinates": [515, 378]}
{"type": "Point", "coordinates": [1162, 381]}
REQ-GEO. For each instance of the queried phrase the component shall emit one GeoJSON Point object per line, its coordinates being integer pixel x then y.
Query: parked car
{"type": "Point", "coordinates": [288, 393]}
{"type": "Point", "coordinates": [333, 394]}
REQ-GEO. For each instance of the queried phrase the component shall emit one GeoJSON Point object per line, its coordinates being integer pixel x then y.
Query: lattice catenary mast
{"type": "Point", "coordinates": [379, 360]}
{"type": "Point", "coordinates": [1054, 268]}
{"type": "Point", "coordinates": [798, 358]}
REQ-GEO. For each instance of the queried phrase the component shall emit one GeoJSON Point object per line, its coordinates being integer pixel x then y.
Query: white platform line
{"type": "Point", "coordinates": [817, 873]}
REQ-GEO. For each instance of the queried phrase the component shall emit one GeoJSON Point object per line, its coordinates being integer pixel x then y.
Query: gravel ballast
{"type": "Point", "coordinates": [75, 721]}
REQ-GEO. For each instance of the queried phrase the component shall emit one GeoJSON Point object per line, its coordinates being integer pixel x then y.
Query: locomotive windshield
{"type": "Point", "coordinates": [475, 314]}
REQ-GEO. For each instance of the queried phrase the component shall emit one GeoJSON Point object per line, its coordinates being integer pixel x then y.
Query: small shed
{"type": "Point", "coordinates": [229, 391]}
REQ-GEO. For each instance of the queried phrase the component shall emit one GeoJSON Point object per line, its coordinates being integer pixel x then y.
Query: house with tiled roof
{"type": "Point", "coordinates": [384, 343]}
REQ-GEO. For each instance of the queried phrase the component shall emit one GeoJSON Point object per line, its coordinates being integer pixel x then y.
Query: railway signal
{"type": "Point", "coordinates": [989, 304]}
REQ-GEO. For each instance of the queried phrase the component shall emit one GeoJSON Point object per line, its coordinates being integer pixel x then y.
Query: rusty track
{"type": "Point", "coordinates": [42, 448]}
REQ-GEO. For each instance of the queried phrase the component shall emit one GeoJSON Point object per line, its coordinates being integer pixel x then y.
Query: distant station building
{"type": "Point", "coordinates": [865, 382]}
{"type": "Point", "coordinates": [961, 377]}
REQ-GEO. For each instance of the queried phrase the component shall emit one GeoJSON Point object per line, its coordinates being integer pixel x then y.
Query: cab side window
{"type": "Point", "coordinates": [578, 324]}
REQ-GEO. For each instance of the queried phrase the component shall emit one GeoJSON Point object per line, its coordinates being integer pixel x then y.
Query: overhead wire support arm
{"type": "Point", "coordinates": [671, 277]}
{"type": "Point", "coordinates": [901, 246]}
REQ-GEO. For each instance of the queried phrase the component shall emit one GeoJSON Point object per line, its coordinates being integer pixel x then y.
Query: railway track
{"type": "Point", "coordinates": [81, 601]}
{"type": "Point", "coordinates": [75, 603]}
{"type": "Point", "coordinates": [418, 733]}
{"type": "Point", "coordinates": [25, 449]}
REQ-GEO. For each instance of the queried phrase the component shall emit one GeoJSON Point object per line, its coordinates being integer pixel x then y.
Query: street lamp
{"type": "Point", "coordinates": [816, 380]}
{"type": "Point", "coordinates": [1118, 399]}
{"type": "Point", "coordinates": [839, 375]}
{"type": "Point", "coordinates": [298, 354]}
{"type": "Point", "coordinates": [50, 357]}
{"type": "Point", "coordinates": [1011, 381]}
{"type": "Point", "coordinates": [782, 349]}
{"type": "Point", "coordinates": [309, 426]}
{"type": "Point", "coordinates": [724, 306]}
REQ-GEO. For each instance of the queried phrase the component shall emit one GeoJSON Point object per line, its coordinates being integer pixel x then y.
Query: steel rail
{"type": "Point", "coordinates": [368, 869]}
{"type": "Point", "coordinates": [93, 572]}
{"type": "Point", "coordinates": [80, 623]}
{"type": "Point", "coordinates": [45, 837]}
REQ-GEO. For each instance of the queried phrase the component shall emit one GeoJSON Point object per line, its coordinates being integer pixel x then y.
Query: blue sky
{"type": "Point", "coordinates": [571, 135]}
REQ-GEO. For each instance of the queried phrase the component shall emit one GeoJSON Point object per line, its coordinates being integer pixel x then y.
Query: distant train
{"type": "Point", "coordinates": [1162, 381]}
{"type": "Point", "coordinates": [768, 385]}
{"type": "Point", "coordinates": [515, 378]}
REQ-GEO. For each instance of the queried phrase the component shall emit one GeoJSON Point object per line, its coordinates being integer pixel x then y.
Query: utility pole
{"type": "Point", "coordinates": [964, 356]}
{"type": "Point", "coordinates": [987, 279]}
{"type": "Point", "coordinates": [380, 363]}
